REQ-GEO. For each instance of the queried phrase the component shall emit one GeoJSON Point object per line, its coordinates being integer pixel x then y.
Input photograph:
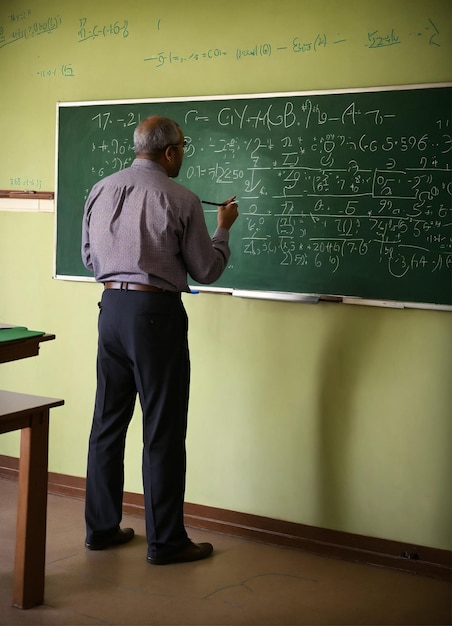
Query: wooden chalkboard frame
{"type": "Point", "coordinates": [273, 293]}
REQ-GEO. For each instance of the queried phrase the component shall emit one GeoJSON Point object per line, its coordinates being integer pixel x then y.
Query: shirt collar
{"type": "Point", "coordinates": [146, 164]}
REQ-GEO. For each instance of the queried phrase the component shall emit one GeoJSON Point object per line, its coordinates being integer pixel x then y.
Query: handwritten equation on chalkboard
{"type": "Point", "coordinates": [345, 194]}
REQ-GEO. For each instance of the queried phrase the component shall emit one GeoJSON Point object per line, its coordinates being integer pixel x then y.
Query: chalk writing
{"type": "Point", "coordinates": [375, 39]}
{"type": "Point", "coordinates": [342, 193]}
{"type": "Point", "coordinates": [29, 31]}
{"type": "Point", "coordinates": [17, 17]}
{"type": "Point", "coordinates": [64, 70]}
{"type": "Point", "coordinates": [23, 26]}
{"type": "Point", "coordinates": [161, 58]}
{"type": "Point", "coordinates": [306, 46]}
{"type": "Point", "coordinates": [86, 31]}
{"type": "Point", "coordinates": [262, 50]}
{"type": "Point", "coordinates": [26, 182]}
{"type": "Point", "coordinates": [378, 40]}
{"type": "Point", "coordinates": [433, 38]}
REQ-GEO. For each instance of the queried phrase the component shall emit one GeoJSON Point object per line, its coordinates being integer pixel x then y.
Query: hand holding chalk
{"type": "Point", "coordinates": [227, 213]}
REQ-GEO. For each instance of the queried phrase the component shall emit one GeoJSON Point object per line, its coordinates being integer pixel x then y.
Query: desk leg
{"type": "Point", "coordinates": [29, 569]}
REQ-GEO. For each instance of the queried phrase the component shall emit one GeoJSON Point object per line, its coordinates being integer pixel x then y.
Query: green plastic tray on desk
{"type": "Point", "coordinates": [17, 333]}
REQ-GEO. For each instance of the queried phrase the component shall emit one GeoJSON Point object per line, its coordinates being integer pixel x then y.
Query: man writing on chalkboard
{"type": "Point", "coordinates": [142, 234]}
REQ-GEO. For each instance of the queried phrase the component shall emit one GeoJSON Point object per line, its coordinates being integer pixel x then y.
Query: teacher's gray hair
{"type": "Point", "coordinates": [154, 140]}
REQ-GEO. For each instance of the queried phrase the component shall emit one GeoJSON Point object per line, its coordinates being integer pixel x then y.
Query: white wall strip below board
{"type": "Point", "coordinates": [32, 205]}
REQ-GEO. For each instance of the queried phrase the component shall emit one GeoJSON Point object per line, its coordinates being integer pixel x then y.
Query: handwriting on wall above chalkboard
{"type": "Point", "coordinates": [340, 193]}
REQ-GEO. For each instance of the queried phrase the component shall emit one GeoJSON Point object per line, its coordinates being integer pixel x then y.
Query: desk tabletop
{"type": "Point", "coordinates": [22, 348]}
{"type": "Point", "coordinates": [16, 403]}
{"type": "Point", "coordinates": [16, 409]}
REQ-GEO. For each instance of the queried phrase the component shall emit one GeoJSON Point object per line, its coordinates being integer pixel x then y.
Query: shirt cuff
{"type": "Point", "coordinates": [221, 234]}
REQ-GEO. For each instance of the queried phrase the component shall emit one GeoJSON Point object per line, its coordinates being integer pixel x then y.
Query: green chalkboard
{"type": "Point", "coordinates": [345, 193]}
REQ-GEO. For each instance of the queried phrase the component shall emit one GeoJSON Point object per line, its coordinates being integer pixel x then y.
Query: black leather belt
{"type": "Point", "coordinates": [133, 287]}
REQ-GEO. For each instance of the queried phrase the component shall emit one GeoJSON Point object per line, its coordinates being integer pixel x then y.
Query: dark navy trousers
{"type": "Point", "coordinates": [142, 349]}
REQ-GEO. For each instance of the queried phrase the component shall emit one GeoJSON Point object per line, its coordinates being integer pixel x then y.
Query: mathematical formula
{"type": "Point", "coordinates": [27, 25]}
{"type": "Point", "coordinates": [297, 45]}
{"type": "Point", "coordinates": [317, 187]}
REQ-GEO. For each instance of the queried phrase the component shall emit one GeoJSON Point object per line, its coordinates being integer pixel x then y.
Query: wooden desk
{"type": "Point", "coordinates": [21, 348]}
{"type": "Point", "coordinates": [31, 415]}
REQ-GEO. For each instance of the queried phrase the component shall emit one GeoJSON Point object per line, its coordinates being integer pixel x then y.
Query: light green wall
{"type": "Point", "coordinates": [330, 415]}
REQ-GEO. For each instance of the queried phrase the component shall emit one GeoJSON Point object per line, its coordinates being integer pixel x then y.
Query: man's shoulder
{"type": "Point", "coordinates": [146, 176]}
{"type": "Point", "coordinates": [113, 178]}
{"type": "Point", "coordinates": [179, 190]}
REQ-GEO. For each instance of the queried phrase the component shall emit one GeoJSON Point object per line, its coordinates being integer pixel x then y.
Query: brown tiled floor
{"type": "Point", "coordinates": [243, 583]}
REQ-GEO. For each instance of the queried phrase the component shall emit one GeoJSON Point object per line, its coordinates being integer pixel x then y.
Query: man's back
{"type": "Point", "coordinates": [141, 226]}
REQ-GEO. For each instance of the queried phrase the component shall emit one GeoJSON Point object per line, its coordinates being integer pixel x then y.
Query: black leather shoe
{"type": "Point", "coordinates": [122, 536]}
{"type": "Point", "coordinates": [192, 552]}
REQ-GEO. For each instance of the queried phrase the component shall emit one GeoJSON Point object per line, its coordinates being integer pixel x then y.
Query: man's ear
{"type": "Point", "coordinates": [168, 155]}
